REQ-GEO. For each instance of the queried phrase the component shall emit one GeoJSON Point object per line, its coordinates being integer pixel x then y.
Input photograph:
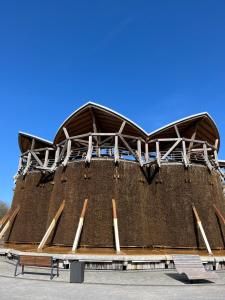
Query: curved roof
{"type": "Point", "coordinates": [202, 123]}
{"type": "Point", "coordinates": [25, 142]}
{"type": "Point", "coordinates": [106, 120]}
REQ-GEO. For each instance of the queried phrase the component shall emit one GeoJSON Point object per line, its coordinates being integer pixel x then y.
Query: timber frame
{"type": "Point", "coordinates": [96, 132]}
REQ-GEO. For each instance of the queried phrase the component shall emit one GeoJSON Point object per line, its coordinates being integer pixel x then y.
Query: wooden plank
{"type": "Point", "coordinates": [115, 226]}
{"type": "Point", "coordinates": [202, 230]}
{"type": "Point", "coordinates": [51, 226]}
{"type": "Point", "coordinates": [80, 226]}
{"type": "Point", "coordinates": [9, 221]}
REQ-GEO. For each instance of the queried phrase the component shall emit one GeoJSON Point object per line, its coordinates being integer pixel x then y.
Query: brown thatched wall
{"type": "Point", "coordinates": [32, 194]}
{"type": "Point", "coordinates": [159, 213]}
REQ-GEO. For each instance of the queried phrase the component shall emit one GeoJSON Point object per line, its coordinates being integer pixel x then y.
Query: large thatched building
{"type": "Point", "coordinates": [166, 185]}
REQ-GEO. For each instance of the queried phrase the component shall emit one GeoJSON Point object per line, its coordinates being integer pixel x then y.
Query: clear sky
{"type": "Point", "coordinates": [153, 61]}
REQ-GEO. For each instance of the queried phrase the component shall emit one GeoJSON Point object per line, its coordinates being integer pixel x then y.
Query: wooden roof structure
{"type": "Point", "coordinates": [25, 142]}
{"type": "Point", "coordinates": [93, 117]}
{"type": "Point", "coordinates": [199, 127]}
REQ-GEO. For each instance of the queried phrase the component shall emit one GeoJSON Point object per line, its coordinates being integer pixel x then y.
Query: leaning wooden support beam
{"type": "Point", "coordinates": [80, 226]}
{"type": "Point", "coordinates": [122, 127]}
{"type": "Point", "coordinates": [5, 218]}
{"type": "Point", "coordinates": [219, 214]}
{"type": "Point", "coordinates": [177, 131]}
{"type": "Point", "coordinates": [115, 225]}
{"type": "Point", "coordinates": [216, 153]}
{"type": "Point", "coordinates": [9, 222]}
{"type": "Point", "coordinates": [51, 226]}
{"type": "Point", "coordinates": [202, 230]}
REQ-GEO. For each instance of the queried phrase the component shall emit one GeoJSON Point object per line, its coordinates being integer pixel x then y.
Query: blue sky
{"type": "Point", "coordinates": [153, 61]}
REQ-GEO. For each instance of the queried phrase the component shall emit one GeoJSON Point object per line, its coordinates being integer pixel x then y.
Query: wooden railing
{"type": "Point", "coordinates": [118, 146]}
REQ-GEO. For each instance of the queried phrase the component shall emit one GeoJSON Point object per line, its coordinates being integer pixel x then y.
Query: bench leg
{"type": "Point", "coordinates": [51, 277]}
{"type": "Point", "coordinates": [16, 268]}
{"type": "Point", "coordinates": [22, 269]}
{"type": "Point", "coordinates": [57, 268]}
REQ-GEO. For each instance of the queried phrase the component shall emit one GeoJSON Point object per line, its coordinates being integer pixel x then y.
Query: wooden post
{"type": "Point", "coordinates": [158, 155]}
{"type": "Point", "coordinates": [28, 163]}
{"type": "Point", "coordinates": [202, 230]}
{"type": "Point", "coordinates": [80, 226]}
{"type": "Point", "coordinates": [139, 152]}
{"type": "Point", "coordinates": [219, 214]}
{"type": "Point", "coordinates": [116, 149]}
{"type": "Point", "coordinates": [146, 153]}
{"type": "Point", "coordinates": [68, 151]}
{"type": "Point", "coordinates": [115, 225]}
{"type": "Point", "coordinates": [185, 158]}
{"type": "Point", "coordinates": [51, 226]}
{"type": "Point", "coordinates": [90, 149]}
{"type": "Point", "coordinates": [56, 158]}
{"type": "Point", "coordinates": [9, 222]}
{"type": "Point", "coordinates": [205, 150]}
{"type": "Point", "coordinates": [46, 158]}
{"type": "Point", "coordinates": [216, 153]}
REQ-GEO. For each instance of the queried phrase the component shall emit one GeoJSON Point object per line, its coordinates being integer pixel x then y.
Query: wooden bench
{"type": "Point", "coordinates": [192, 267]}
{"type": "Point", "coordinates": [37, 261]}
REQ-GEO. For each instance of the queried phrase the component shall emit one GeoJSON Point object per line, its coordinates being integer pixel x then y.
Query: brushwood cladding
{"type": "Point", "coordinates": [155, 214]}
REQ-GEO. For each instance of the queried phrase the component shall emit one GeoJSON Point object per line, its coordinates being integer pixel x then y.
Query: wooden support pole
{"type": "Point", "coordinates": [122, 127]}
{"type": "Point", "coordinates": [46, 158]}
{"type": "Point", "coordinates": [185, 158]}
{"type": "Point", "coordinates": [5, 218]}
{"type": "Point", "coordinates": [56, 158]}
{"type": "Point", "coordinates": [139, 152]}
{"type": "Point", "coordinates": [206, 157]}
{"type": "Point", "coordinates": [80, 226]}
{"type": "Point", "coordinates": [172, 148]}
{"type": "Point", "coordinates": [66, 133]}
{"type": "Point", "coordinates": [115, 225]}
{"type": "Point", "coordinates": [28, 163]}
{"type": "Point", "coordinates": [116, 149]}
{"type": "Point", "coordinates": [9, 222]}
{"type": "Point", "coordinates": [177, 131]}
{"type": "Point", "coordinates": [202, 230]}
{"type": "Point", "coordinates": [216, 153]}
{"type": "Point", "coordinates": [68, 152]}
{"type": "Point", "coordinates": [37, 158]}
{"type": "Point", "coordinates": [219, 214]}
{"type": "Point", "coordinates": [90, 149]}
{"type": "Point", "coordinates": [158, 155]}
{"type": "Point", "coordinates": [146, 153]}
{"type": "Point", "coordinates": [51, 226]}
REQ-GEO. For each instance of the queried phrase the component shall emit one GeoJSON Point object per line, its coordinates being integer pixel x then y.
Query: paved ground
{"type": "Point", "coordinates": [105, 285]}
